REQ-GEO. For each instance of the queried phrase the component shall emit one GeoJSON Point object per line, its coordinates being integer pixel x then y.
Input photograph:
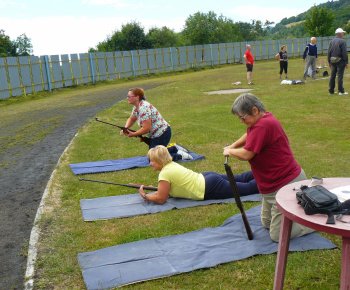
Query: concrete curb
{"type": "Point", "coordinates": [34, 235]}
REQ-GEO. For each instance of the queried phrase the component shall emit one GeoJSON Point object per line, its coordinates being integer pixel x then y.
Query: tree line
{"type": "Point", "coordinates": [206, 28]}
{"type": "Point", "coordinates": [200, 28]}
{"type": "Point", "coordinates": [21, 46]}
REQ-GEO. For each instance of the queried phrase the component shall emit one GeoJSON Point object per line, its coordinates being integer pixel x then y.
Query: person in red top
{"type": "Point", "coordinates": [266, 147]}
{"type": "Point", "coordinates": [248, 56]}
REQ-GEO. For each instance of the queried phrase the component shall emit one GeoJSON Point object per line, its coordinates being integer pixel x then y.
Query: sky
{"type": "Point", "coordinates": [73, 26]}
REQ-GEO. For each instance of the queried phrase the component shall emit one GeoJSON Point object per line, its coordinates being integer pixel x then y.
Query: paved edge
{"type": "Point", "coordinates": [34, 235]}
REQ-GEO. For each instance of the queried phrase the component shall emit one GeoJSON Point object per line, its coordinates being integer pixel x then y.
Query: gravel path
{"type": "Point", "coordinates": [26, 166]}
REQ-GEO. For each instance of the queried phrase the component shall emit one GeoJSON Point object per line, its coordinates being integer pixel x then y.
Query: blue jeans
{"type": "Point", "coordinates": [163, 139]}
{"type": "Point", "coordinates": [337, 69]}
{"type": "Point", "coordinates": [217, 185]}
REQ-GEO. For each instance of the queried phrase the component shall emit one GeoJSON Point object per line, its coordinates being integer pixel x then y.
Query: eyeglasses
{"type": "Point", "coordinates": [130, 96]}
{"type": "Point", "coordinates": [243, 117]}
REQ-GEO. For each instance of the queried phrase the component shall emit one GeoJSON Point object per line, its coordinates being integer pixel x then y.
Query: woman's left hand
{"type": "Point", "coordinates": [131, 134]}
{"type": "Point", "coordinates": [141, 191]}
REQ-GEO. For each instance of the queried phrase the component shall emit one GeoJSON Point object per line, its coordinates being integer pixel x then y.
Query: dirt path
{"type": "Point", "coordinates": [31, 142]}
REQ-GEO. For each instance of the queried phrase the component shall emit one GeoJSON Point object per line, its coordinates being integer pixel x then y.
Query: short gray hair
{"type": "Point", "coordinates": [312, 38]}
{"type": "Point", "coordinates": [245, 103]}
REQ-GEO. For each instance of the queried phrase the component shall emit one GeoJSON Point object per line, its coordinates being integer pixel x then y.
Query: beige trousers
{"type": "Point", "coordinates": [271, 217]}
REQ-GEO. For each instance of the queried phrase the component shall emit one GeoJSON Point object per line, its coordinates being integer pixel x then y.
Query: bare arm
{"type": "Point", "coordinates": [239, 143]}
{"type": "Point", "coordinates": [159, 196]}
{"type": "Point", "coordinates": [245, 58]}
{"type": "Point", "coordinates": [146, 128]}
{"type": "Point", "coordinates": [129, 122]}
{"type": "Point", "coordinates": [236, 150]}
{"type": "Point", "coordinates": [240, 154]}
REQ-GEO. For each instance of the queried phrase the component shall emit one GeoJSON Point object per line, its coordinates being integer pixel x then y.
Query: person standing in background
{"type": "Point", "coordinates": [310, 54]}
{"type": "Point", "coordinates": [248, 56]}
{"type": "Point", "coordinates": [338, 60]}
{"type": "Point", "coordinates": [283, 58]}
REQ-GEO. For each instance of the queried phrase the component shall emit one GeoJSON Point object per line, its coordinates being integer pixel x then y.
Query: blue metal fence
{"type": "Point", "coordinates": [24, 75]}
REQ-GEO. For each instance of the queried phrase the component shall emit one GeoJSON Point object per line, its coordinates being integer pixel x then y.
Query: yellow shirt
{"type": "Point", "coordinates": [184, 183]}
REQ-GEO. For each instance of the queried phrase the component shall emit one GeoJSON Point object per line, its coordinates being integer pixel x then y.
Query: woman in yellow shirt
{"type": "Point", "coordinates": [177, 181]}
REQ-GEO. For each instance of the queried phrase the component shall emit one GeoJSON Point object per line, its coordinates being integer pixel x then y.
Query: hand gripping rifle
{"type": "Point", "coordinates": [125, 130]}
{"type": "Point", "coordinates": [237, 197]}
{"type": "Point", "coordinates": [133, 185]}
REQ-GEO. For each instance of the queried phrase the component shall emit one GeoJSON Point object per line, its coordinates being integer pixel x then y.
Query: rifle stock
{"type": "Point", "coordinates": [127, 185]}
{"type": "Point", "coordinates": [237, 197]}
{"type": "Point", "coordinates": [125, 130]}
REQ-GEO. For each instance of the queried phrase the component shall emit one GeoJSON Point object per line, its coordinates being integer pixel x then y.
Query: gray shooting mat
{"type": "Point", "coordinates": [160, 257]}
{"type": "Point", "coordinates": [103, 208]}
{"type": "Point", "coordinates": [119, 164]}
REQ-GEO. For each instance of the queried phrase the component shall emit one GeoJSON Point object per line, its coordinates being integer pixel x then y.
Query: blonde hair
{"type": "Point", "coordinates": [160, 154]}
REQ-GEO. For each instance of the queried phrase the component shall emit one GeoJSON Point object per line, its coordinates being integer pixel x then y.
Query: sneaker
{"type": "Point", "coordinates": [330, 93]}
{"type": "Point", "coordinates": [286, 77]}
{"type": "Point", "coordinates": [184, 155]}
{"type": "Point", "coordinates": [345, 93]}
{"type": "Point", "coordinates": [180, 147]}
{"type": "Point", "coordinates": [250, 84]}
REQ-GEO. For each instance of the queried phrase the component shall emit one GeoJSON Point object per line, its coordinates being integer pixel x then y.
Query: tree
{"type": "Point", "coordinates": [6, 45]}
{"type": "Point", "coordinates": [246, 30]}
{"type": "Point", "coordinates": [206, 28]}
{"type": "Point", "coordinates": [132, 36]}
{"type": "Point", "coordinates": [319, 22]}
{"type": "Point", "coordinates": [163, 37]}
{"type": "Point", "coordinates": [23, 45]}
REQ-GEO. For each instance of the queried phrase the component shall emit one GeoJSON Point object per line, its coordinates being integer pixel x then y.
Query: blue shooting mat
{"type": "Point", "coordinates": [119, 164]}
{"type": "Point", "coordinates": [103, 208]}
{"type": "Point", "coordinates": [160, 257]}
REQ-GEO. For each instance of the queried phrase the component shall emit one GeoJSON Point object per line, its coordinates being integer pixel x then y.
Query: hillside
{"type": "Point", "coordinates": [293, 26]}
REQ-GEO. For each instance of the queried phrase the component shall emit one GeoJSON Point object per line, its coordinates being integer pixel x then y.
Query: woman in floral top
{"type": "Point", "coordinates": [148, 118]}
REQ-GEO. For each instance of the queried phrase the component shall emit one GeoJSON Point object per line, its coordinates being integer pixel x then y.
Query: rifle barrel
{"type": "Point", "coordinates": [121, 184]}
{"type": "Point", "coordinates": [238, 199]}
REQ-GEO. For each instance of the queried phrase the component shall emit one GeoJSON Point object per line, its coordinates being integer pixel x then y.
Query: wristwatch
{"type": "Point", "coordinates": [144, 196]}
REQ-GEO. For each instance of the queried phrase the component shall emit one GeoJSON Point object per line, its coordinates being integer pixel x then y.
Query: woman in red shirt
{"type": "Point", "coordinates": [266, 147]}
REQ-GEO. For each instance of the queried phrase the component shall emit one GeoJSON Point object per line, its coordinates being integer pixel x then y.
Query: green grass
{"type": "Point", "coordinates": [318, 129]}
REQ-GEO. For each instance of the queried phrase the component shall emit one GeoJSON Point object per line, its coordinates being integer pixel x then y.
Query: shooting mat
{"type": "Point", "coordinates": [159, 257]}
{"type": "Point", "coordinates": [119, 164]}
{"type": "Point", "coordinates": [103, 208]}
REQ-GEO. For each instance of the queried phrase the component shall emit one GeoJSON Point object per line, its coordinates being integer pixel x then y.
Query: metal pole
{"type": "Point", "coordinates": [47, 72]}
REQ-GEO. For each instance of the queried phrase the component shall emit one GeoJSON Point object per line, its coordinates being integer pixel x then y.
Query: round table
{"type": "Point", "coordinates": [292, 211]}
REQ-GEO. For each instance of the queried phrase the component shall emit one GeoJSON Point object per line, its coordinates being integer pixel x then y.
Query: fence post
{"type": "Point", "coordinates": [132, 63]}
{"type": "Point", "coordinates": [211, 55]}
{"type": "Point", "coordinates": [92, 68]}
{"type": "Point", "coordinates": [48, 72]}
{"type": "Point", "coordinates": [171, 60]}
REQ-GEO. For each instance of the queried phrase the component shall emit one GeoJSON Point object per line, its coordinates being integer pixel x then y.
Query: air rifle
{"type": "Point", "coordinates": [125, 130]}
{"type": "Point", "coordinates": [237, 197]}
{"type": "Point", "coordinates": [133, 185]}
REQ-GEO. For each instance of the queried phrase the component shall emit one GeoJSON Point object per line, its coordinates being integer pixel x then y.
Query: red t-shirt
{"type": "Point", "coordinates": [273, 164]}
{"type": "Point", "coordinates": [249, 57]}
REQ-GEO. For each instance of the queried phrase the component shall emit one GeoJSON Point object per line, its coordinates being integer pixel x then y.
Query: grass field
{"type": "Point", "coordinates": [318, 129]}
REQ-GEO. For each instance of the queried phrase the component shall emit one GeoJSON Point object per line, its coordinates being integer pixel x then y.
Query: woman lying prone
{"type": "Point", "coordinates": [177, 181]}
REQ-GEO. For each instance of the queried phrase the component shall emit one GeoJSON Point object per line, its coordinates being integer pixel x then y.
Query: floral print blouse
{"type": "Point", "coordinates": [147, 111]}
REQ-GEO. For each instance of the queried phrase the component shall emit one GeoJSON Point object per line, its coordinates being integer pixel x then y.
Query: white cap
{"type": "Point", "coordinates": [339, 30]}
